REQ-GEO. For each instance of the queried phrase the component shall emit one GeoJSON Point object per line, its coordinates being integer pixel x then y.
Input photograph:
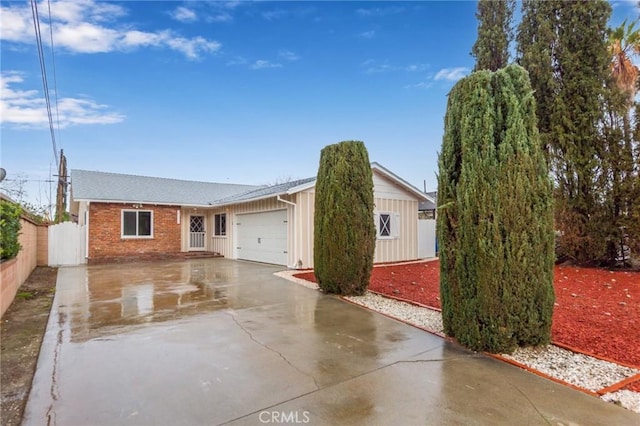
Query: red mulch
{"type": "Point", "coordinates": [635, 386]}
{"type": "Point", "coordinates": [597, 311]}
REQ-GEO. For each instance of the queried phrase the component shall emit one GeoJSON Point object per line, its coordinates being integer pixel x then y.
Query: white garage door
{"type": "Point", "coordinates": [262, 237]}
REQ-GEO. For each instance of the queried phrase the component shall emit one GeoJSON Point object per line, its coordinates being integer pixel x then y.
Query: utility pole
{"type": "Point", "coordinates": [61, 193]}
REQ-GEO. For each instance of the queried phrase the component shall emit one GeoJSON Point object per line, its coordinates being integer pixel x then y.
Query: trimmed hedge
{"type": "Point", "coordinates": [495, 221]}
{"type": "Point", "coordinates": [344, 229]}
{"type": "Point", "coordinates": [10, 225]}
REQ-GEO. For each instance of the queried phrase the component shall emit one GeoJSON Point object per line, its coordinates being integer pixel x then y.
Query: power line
{"type": "Point", "coordinates": [30, 180]}
{"type": "Point", "coordinates": [43, 71]}
{"type": "Point", "coordinates": [55, 77]}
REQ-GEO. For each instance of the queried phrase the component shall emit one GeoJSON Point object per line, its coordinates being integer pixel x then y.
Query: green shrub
{"type": "Point", "coordinates": [9, 229]}
{"type": "Point", "coordinates": [344, 229]}
{"type": "Point", "coordinates": [495, 223]}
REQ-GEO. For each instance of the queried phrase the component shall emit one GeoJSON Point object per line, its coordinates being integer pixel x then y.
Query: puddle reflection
{"type": "Point", "coordinates": [114, 295]}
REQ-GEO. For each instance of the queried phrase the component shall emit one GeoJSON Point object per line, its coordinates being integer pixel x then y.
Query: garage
{"type": "Point", "coordinates": [262, 237]}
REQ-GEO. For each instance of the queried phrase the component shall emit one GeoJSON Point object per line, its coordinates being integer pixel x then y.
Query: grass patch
{"type": "Point", "coordinates": [25, 295]}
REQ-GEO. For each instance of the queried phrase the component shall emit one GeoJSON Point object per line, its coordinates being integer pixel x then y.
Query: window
{"type": "Point", "coordinates": [137, 223]}
{"type": "Point", "coordinates": [220, 229]}
{"type": "Point", "coordinates": [388, 225]}
{"type": "Point", "coordinates": [385, 225]}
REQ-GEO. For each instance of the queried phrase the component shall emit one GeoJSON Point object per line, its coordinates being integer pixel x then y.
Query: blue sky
{"type": "Point", "coordinates": [231, 91]}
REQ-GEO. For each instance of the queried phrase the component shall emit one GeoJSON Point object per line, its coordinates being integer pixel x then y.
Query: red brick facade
{"type": "Point", "coordinates": [105, 232]}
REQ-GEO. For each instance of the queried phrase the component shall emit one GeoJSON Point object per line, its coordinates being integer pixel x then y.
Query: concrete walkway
{"type": "Point", "coordinates": [215, 341]}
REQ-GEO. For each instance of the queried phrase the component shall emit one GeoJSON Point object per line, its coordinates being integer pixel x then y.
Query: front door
{"type": "Point", "coordinates": [196, 232]}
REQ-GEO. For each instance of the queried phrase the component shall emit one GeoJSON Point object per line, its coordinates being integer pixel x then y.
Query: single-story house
{"type": "Point", "coordinates": [129, 216]}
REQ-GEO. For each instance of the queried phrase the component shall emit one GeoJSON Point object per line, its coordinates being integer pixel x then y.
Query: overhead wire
{"type": "Point", "coordinates": [43, 71]}
{"type": "Point", "coordinates": [55, 77]}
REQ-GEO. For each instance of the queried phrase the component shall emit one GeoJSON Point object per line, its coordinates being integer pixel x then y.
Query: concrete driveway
{"type": "Point", "coordinates": [206, 342]}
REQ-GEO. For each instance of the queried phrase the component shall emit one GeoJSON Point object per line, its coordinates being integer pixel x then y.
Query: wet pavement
{"type": "Point", "coordinates": [216, 341]}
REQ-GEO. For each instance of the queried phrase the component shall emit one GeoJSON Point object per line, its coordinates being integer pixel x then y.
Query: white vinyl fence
{"type": "Point", "coordinates": [426, 238]}
{"type": "Point", "coordinates": [67, 244]}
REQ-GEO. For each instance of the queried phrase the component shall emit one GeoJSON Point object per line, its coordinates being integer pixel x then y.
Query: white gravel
{"type": "Point", "coordinates": [425, 318]}
{"type": "Point", "coordinates": [625, 398]}
{"type": "Point", "coordinates": [577, 369]}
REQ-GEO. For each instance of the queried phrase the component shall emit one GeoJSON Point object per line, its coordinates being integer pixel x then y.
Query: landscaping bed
{"type": "Point", "coordinates": [595, 324]}
{"type": "Point", "coordinates": [597, 311]}
{"type": "Point", "coordinates": [22, 330]}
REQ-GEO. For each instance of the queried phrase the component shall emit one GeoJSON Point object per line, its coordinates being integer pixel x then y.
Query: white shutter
{"type": "Point", "coordinates": [395, 225]}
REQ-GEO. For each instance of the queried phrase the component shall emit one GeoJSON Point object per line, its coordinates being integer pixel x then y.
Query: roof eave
{"type": "Point", "coordinates": [301, 188]}
{"type": "Point", "coordinates": [248, 200]}
{"type": "Point", "coordinates": [155, 203]}
{"type": "Point", "coordinates": [399, 181]}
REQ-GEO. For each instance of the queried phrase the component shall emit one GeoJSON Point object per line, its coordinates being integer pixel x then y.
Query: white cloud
{"type": "Point", "coordinates": [15, 24]}
{"type": "Point", "coordinates": [231, 4]}
{"type": "Point", "coordinates": [87, 26]}
{"type": "Point", "coordinates": [272, 15]}
{"type": "Point", "coordinates": [263, 64]}
{"type": "Point", "coordinates": [140, 38]}
{"type": "Point", "coordinates": [292, 12]}
{"type": "Point", "coordinates": [86, 38]}
{"type": "Point", "coordinates": [379, 11]}
{"type": "Point", "coordinates": [367, 34]}
{"type": "Point", "coordinates": [421, 85]}
{"type": "Point", "coordinates": [184, 14]}
{"type": "Point", "coordinates": [451, 74]}
{"type": "Point", "coordinates": [192, 47]}
{"type": "Point", "coordinates": [238, 60]}
{"type": "Point", "coordinates": [416, 67]}
{"type": "Point", "coordinates": [26, 108]}
{"type": "Point", "coordinates": [288, 55]}
{"type": "Point", "coordinates": [372, 67]}
{"type": "Point", "coordinates": [219, 17]}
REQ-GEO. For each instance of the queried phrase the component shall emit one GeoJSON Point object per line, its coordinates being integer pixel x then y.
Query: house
{"type": "Point", "coordinates": [427, 208]}
{"type": "Point", "coordinates": [136, 216]}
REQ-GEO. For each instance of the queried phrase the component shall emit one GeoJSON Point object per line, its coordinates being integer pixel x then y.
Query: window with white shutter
{"type": "Point", "coordinates": [387, 225]}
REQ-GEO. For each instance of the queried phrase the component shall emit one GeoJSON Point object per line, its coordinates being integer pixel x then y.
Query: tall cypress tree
{"type": "Point", "coordinates": [563, 46]}
{"type": "Point", "coordinates": [491, 48]}
{"type": "Point", "coordinates": [344, 230]}
{"type": "Point", "coordinates": [536, 43]}
{"type": "Point", "coordinates": [618, 174]}
{"type": "Point", "coordinates": [496, 215]}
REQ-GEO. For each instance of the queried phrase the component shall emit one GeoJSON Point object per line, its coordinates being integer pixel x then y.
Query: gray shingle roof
{"type": "Point", "coordinates": [265, 192]}
{"type": "Point", "coordinates": [428, 204]}
{"type": "Point", "coordinates": [101, 186]}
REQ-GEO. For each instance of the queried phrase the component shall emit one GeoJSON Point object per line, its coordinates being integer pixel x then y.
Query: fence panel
{"type": "Point", "coordinates": [426, 238]}
{"type": "Point", "coordinates": [67, 244]}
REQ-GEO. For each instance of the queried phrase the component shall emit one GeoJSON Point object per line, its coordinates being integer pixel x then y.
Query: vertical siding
{"type": "Point", "coordinates": [388, 250]}
{"type": "Point", "coordinates": [226, 245]}
{"type": "Point", "coordinates": [305, 201]}
{"type": "Point", "coordinates": [388, 198]}
{"type": "Point", "coordinates": [220, 244]}
{"type": "Point", "coordinates": [82, 210]}
{"type": "Point", "coordinates": [406, 246]}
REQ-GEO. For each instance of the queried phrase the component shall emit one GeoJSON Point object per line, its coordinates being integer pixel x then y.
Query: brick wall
{"type": "Point", "coordinates": [105, 239]}
{"type": "Point", "coordinates": [14, 272]}
{"type": "Point", "coordinates": [42, 256]}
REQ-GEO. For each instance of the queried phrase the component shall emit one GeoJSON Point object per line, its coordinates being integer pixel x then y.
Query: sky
{"type": "Point", "coordinates": [230, 91]}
